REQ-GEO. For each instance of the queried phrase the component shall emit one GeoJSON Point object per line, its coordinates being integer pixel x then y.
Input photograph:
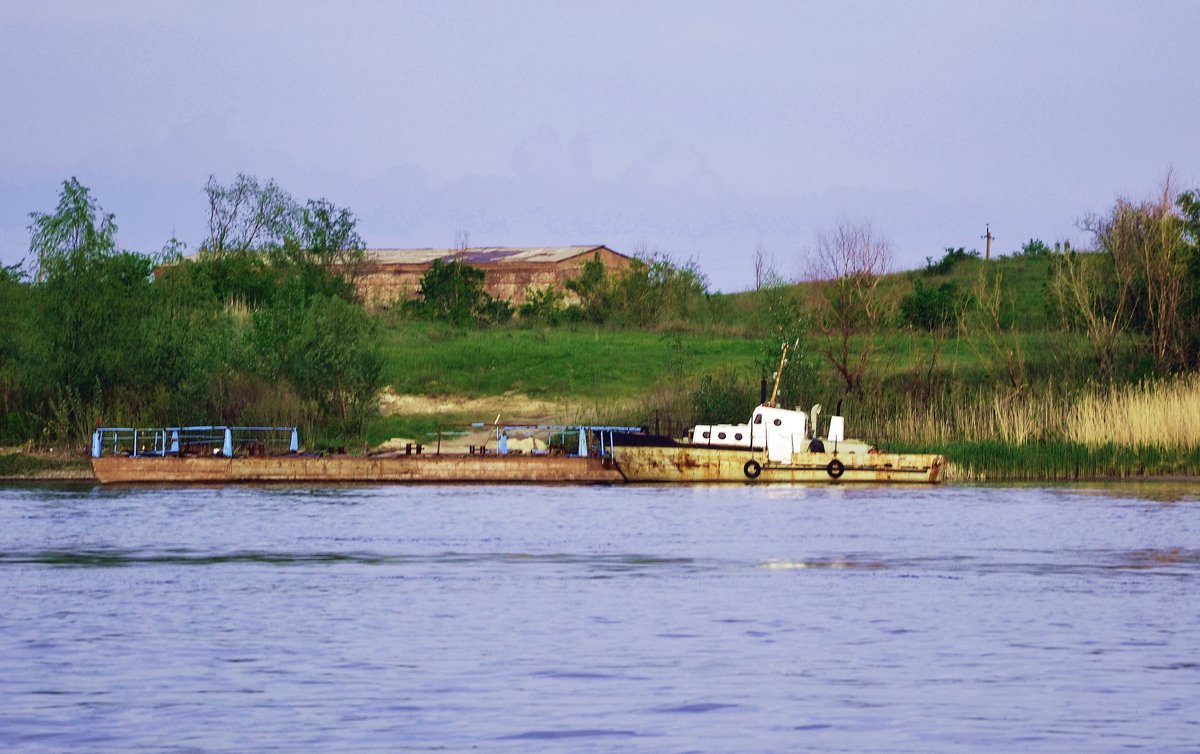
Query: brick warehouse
{"type": "Point", "coordinates": [391, 275]}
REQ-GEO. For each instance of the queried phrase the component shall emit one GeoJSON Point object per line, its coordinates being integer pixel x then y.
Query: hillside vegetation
{"type": "Point", "coordinates": [963, 356]}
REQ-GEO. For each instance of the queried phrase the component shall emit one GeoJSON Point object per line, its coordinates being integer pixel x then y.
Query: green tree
{"type": "Point", "coordinates": [77, 227]}
{"type": "Point", "coordinates": [1152, 267]}
{"type": "Point", "coordinates": [454, 292]}
{"type": "Point", "coordinates": [652, 290]}
{"type": "Point", "coordinates": [247, 215]}
{"type": "Point", "coordinates": [328, 349]}
{"type": "Point", "coordinates": [593, 288]}
{"type": "Point", "coordinates": [17, 325]}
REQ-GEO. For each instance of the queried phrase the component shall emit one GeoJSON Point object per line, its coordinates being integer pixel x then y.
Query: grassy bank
{"type": "Point", "coordinates": [1058, 461]}
{"type": "Point", "coordinates": [19, 465]}
{"type": "Point", "coordinates": [563, 362]}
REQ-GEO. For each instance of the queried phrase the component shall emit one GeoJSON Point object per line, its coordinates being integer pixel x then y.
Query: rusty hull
{"type": "Point", "coordinates": [702, 465]}
{"type": "Point", "coordinates": [337, 468]}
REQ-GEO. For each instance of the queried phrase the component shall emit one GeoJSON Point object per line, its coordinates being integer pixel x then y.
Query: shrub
{"type": "Point", "coordinates": [930, 308]}
{"type": "Point", "coordinates": [542, 305]}
{"type": "Point", "coordinates": [724, 398]}
{"type": "Point", "coordinates": [653, 290]}
{"type": "Point", "coordinates": [951, 258]}
{"type": "Point", "coordinates": [453, 292]}
{"type": "Point", "coordinates": [1034, 248]}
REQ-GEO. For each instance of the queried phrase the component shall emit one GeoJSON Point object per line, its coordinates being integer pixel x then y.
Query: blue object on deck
{"type": "Point", "coordinates": [96, 444]}
{"type": "Point", "coordinates": [174, 441]}
{"type": "Point", "coordinates": [582, 442]}
{"type": "Point", "coordinates": [227, 446]}
{"type": "Point", "coordinates": [294, 445]}
{"type": "Point", "coordinates": [504, 443]}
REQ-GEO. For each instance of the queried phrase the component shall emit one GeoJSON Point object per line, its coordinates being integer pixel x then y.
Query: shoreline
{"type": "Point", "coordinates": [85, 474]}
{"type": "Point", "coordinates": [19, 466]}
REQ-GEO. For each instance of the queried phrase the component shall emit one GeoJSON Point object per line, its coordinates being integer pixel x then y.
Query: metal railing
{"type": "Point", "coordinates": [196, 440]}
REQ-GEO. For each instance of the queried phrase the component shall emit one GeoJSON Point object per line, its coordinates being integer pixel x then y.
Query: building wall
{"type": "Point", "coordinates": [384, 285]}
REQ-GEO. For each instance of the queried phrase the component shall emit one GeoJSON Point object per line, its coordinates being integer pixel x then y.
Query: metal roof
{"type": "Point", "coordinates": [482, 255]}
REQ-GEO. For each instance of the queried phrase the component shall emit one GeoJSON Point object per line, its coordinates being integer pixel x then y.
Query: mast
{"type": "Point", "coordinates": [778, 374]}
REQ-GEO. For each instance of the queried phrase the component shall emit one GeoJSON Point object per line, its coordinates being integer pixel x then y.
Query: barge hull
{"type": "Point", "coordinates": [510, 469]}
{"type": "Point", "coordinates": [702, 465]}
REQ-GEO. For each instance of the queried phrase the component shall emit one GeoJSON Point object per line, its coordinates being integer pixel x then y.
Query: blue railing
{"type": "Point", "coordinates": [602, 433]}
{"type": "Point", "coordinates": [206, 440]}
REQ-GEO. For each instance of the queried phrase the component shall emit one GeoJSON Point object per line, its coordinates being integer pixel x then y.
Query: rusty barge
{"type": "Point", "coordinates": [776, 446]}
{"type": "Point", "coordinates": [217, 454]}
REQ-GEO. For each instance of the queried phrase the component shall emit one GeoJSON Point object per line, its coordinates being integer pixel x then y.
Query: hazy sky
{"type": "Point", "coordinates": [698, 129]}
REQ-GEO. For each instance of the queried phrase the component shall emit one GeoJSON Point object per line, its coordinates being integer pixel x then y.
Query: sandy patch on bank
{"type": "Point", "coordinates": [512, 407]}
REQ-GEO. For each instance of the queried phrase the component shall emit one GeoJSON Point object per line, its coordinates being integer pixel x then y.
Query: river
{"type": "Point", "coordinates": [595, 619]}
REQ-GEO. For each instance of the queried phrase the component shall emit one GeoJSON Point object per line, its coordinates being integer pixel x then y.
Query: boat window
{"type": "Point", "coordinates": [720, 435]}
{"type": "Point", "coordinates": [778, 422]}
{"type": "Point", "coordinates": [704, 435]}
{"type": "Point", "coordinates": [758, 419]}
{"type": "Point", "coordinates": [738, 436]}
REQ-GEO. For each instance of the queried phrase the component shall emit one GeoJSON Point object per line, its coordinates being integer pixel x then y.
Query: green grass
{"type": "Point", "coordinates": [597, 364]}
{"type": "Point", "coordinates": [17, 465]}
{"type": "Point", "coordinates": [550, 363]}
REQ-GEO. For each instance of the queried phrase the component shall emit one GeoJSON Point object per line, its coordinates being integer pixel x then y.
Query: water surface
{"type": "Point", "coordinates": [643, 619]}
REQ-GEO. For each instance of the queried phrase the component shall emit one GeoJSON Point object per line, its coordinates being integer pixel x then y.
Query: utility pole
{"type": "Point", "coordinates": [988, 253]}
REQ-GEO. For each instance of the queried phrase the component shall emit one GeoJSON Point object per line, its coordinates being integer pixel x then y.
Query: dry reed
{"type": "Point", "coordinates": [1161, 413]}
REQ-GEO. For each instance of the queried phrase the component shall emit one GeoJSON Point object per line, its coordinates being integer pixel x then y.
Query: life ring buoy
{"type": "Point", "coordinates": [752, 469]}
{"type": "Point", "coordinates": [836, 468]}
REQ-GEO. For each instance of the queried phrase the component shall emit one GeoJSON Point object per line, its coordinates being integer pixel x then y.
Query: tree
{"type": "Point", "coordinates": [593, 288]}
{"type": "Point", "coordinates": [328, 349]}
{"type": "Point", "coordinates": [846, 265]}
{"type": "Point", "coordinates": [453, 292]}
{"type": "Point", "coordinates": [77, 227]}
{"type": "Point", "coordinates": [249, 216]}
{"type": "Point", "coordinates": [652, 290]}
{"type": "Point", "coordinates": [1151, 270]}
{"type": "Point", "coordinates": [328, 235]}
{"type": "Point", "coordinates": [17, 325]}
{"type": "Point", "coordinates": [1092, 298]}
{"type": "Point", "coordinates": [765, 274]}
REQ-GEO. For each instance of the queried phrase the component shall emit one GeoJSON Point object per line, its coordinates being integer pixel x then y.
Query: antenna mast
{"type": "Point", "coordinates": [778, 374]}
{"type": "Point", "coordinates": [988, 235]}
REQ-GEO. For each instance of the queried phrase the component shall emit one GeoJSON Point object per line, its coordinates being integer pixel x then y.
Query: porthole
{"type": "Point", "coordinates": [738, 436]}
{"type": "Point", "coordinates": [720, 435]}
{"type": "Point", "coordinates": [704, 435]}
{"type": "Point", "coordinates": [778, 422]}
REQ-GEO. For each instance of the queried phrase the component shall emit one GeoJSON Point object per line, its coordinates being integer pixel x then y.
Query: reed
{"type": "Point", "coordinates": [1160, 413]}
{"type": "Point", "coordinates": [974, 416]}
{"type": "Point", "coordinates": [1102, 432]}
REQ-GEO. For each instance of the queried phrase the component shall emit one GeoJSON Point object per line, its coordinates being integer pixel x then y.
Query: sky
{"type": "Point", "coordinates": [702, 130]}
